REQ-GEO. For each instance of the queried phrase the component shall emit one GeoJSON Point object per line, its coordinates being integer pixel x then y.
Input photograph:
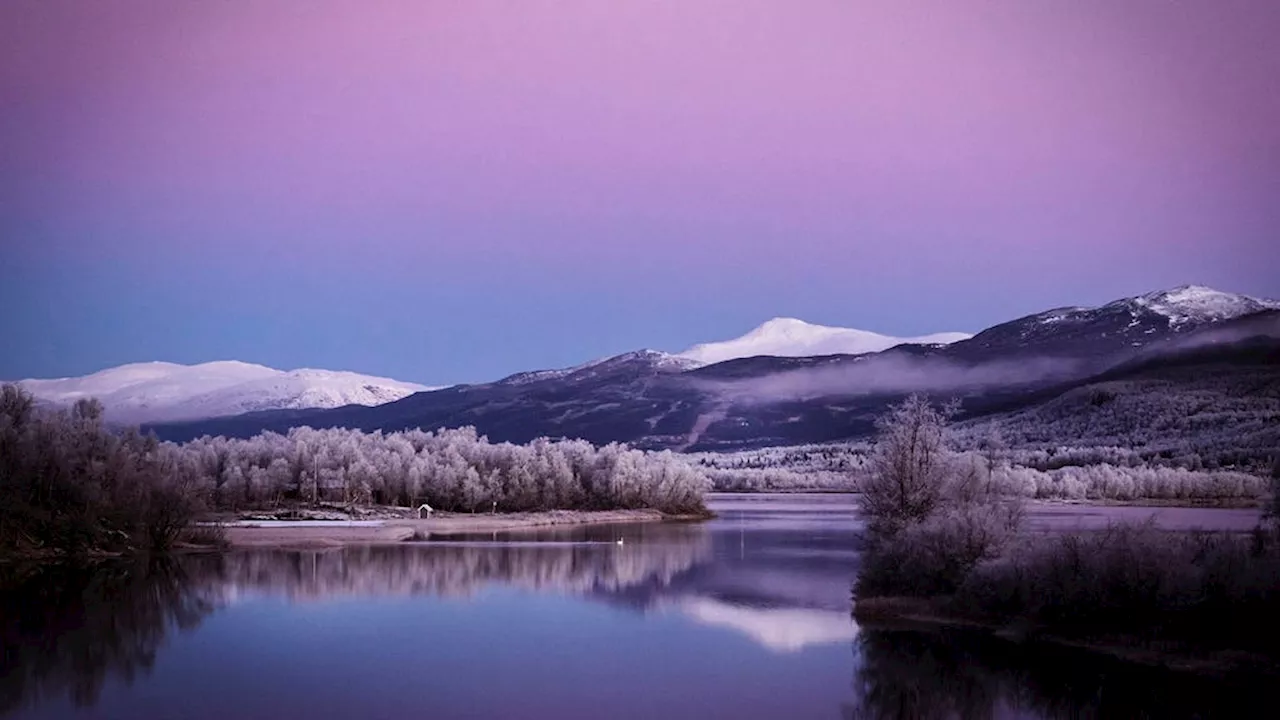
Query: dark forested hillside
{"type": "Point", "coordinates": [1212, 406]}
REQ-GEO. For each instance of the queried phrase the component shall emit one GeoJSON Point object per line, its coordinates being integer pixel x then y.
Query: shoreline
{"type": "Point", "coordinates": [1230, 503]}
{"type": "Point", "coordinates": [281, 535]}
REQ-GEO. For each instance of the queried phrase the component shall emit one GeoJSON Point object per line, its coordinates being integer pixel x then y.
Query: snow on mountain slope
{"type": "Point", "coordinates": [161, 391]}
{"type": "Point", "coordinates": [788, 337]}
{"type": "Point", "coordinates": [1120, 325]}
{"type": "Point", "coordinates": [656, 359]}
{"type": "Point", "coordinates": [1199, 304]}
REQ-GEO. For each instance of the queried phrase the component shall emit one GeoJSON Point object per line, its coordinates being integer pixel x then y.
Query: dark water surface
{"type": "Point", "coordinates": [746, 616]}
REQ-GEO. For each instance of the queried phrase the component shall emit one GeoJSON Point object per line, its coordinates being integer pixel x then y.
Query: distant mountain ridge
{"type": "Point", "coordinates": [659, 400]}
{"type": "Point", "coordinates": [163, 391]}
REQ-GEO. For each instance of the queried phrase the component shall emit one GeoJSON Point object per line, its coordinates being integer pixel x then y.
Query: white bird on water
{"type": "Point", "coordinates": [619, 541]}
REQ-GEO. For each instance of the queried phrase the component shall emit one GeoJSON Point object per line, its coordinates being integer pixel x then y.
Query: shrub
{"type": "Point", "coordinates": [935, 556]}
{"type": "Point", "coordinates": [1215, 588]}
{"type": "Point", "coordinates": [209, 535]}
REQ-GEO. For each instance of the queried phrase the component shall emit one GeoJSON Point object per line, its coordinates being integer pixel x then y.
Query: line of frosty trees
{"type": "Point", "coordinates": [50, 453]}
{"type": "Point", "coordinates": [1071, 473]}
{"type": "Point", "coordinates": [454, 469]}
{"type": "Point", "coordinates": [1101, 481]}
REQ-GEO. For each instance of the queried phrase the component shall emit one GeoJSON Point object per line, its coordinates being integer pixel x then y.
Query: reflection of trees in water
{"type": "Point", "coordinates": [458, 570]}
{"type": "Point", "coordinates": [905, 674]}
{"type": "Point", "coordinates": [63, 630]}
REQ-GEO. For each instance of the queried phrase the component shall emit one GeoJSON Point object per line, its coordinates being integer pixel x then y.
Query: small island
{"type": "Point", "coordinates": [946, 546]}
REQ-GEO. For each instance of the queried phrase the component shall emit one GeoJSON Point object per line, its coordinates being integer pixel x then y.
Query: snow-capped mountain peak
{"type": "Point", "coordinates": [1188, 303]}
{"type": "Point", "coordinates": [791, 337]}
{"type": "Point", "coordinates": [1123, 324]}
{"type": "Point", "coordinates": [785, 326]}
{"type": "Point", "coordinates": [163, 391]}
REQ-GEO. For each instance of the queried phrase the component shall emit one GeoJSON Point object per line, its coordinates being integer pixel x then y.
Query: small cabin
{"type": "Point", "coordinates": [424, 511]}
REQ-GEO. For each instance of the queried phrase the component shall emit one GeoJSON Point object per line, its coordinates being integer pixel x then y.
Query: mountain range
{"type": "Point", "coordinates": [163, 391]}
{"type": "Point", "coordinates": [154, 392]}
{"type": "Point", "coordinates": [1165, 343]}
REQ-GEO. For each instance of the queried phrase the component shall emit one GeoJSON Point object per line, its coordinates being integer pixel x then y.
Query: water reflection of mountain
{"type": "Point", "coordinates": [64, 631]}
{"type": "Point", "coordinates": [778, 629]}
{"type": "Point", "coordinates": [780, 578]}
{"type": "Point", "coordinates": [788, 566]}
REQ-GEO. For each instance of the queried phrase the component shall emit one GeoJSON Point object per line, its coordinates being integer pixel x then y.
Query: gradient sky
{"type": "Point", "coordinates": [453, 191]}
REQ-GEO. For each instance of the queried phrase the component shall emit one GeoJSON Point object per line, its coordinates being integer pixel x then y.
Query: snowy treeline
{"type": "Point", "coordinates": [778, 479]}
{"type": "Point", "coordinates": [452, 470]}
{"type": "Point", "coordinates": [1074, 473]}
{"type": "Point", "coordinates": [836, 457]}
{"type": "Point", "coordinates": [455, 470]}
{"type": "Point", "coordinates": [805, 467]}
{"type": "Point", "coordinates": [1131, 483]}
{"type": "Point", "coordinates": [1058, 457]}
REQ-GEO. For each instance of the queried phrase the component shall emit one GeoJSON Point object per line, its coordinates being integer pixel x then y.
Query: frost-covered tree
{"type": "Point", "coordinates": [993, 449]}
{"type": "Point", "coordinates": [931, 514]}
{"type": "Point", "coordinates": [453, 470]}
{"type": "Point", "coordinates": [909, 467]}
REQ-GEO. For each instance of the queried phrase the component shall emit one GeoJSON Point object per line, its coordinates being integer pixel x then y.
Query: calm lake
{"type": "Point", "coordinates": [746, 616]}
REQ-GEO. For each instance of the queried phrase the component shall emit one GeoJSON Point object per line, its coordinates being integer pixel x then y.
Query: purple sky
{"type": "Point", "coordinates": [452, 191]}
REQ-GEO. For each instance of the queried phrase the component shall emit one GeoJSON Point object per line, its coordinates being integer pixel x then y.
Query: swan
{"type": "Point", "coordinates": [619, 541]}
